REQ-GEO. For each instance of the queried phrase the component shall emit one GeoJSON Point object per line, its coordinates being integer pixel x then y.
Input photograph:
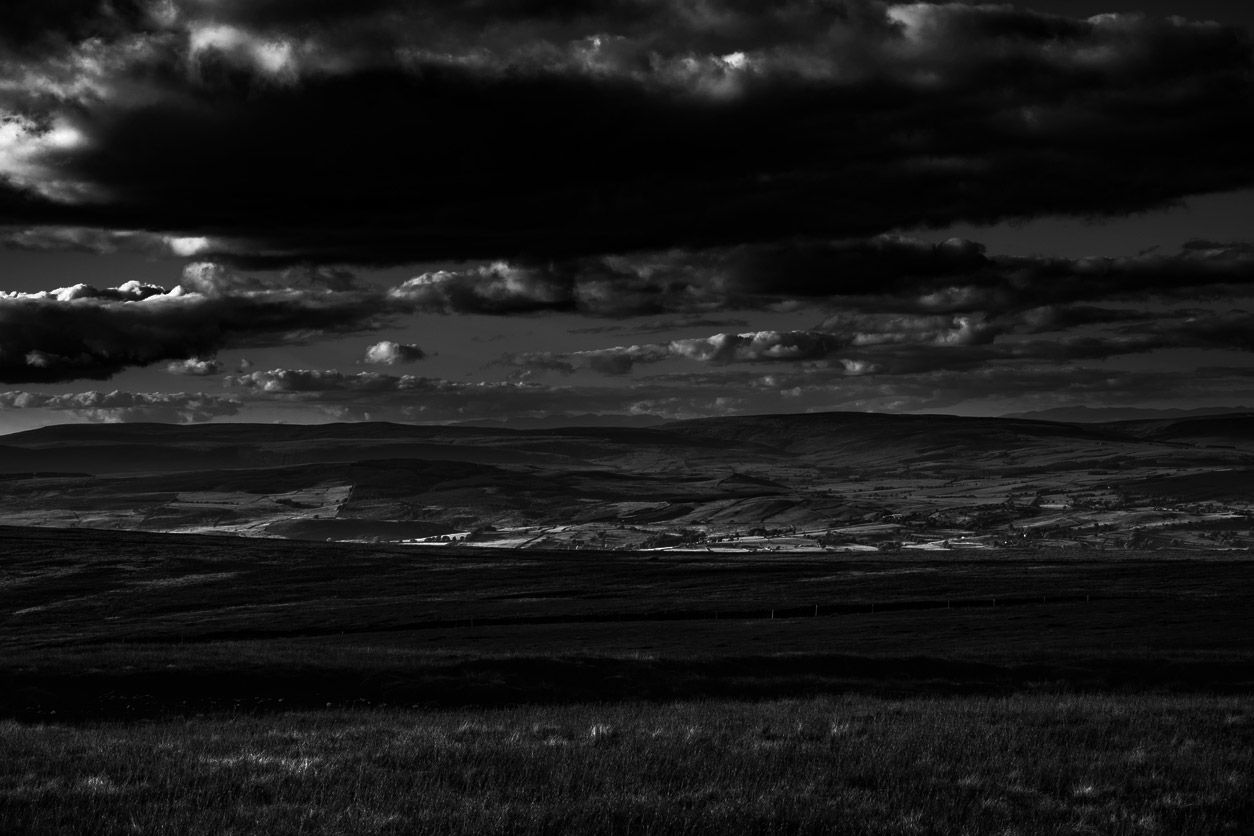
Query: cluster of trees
{"type": "Point", "coordinates": [679, 537]}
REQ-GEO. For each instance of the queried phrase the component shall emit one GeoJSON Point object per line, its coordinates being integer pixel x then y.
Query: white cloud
{"type": "Point", "coordinates": [188, 246]}
{"type": "Point", "coordinates": [195, 367]}
{"type": "Point", "coordinates": [29, 153]}
{"type": "Point", "coordinates": [388, 353]}
{"type": "Point", "coordinates": [275, 57]}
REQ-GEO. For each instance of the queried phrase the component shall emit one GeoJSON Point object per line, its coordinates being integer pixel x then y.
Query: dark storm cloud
{"type": "Point", "coordinates": [117, 407]}
{"type": "Point", "coordinates": [1198, 270]}
{"type": "Point", "coordinates": [657, 326]}
{"type": "Point", "coordinates": [388, 132]}
{"type": "Point", "coordinates": [736, 278]}
{"type": "Point", "coordinates": [32, 27]}
{"type": "Point", "coordinates": [1231, 330]}
{"type": "Point", "coordinates": [890, 273]}
{"type": "Point", "coordinates": [933, 316]}
{"type": "Point", "coordinates": [857, 344]}
{"type": "Point", "coordinates": [84, 332]}
{"type": "Point", "coordinates": [603, 286]}
{"type": "Point", "coordinates": [896, 273]}
{"type": "Point", "coordinates": [99, 241]}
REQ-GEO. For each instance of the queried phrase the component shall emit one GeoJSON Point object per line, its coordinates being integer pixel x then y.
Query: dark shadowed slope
{"type": "Point", "coordinates": [846, 438]}
{"type": "Point", "coordinates": [833, 438]}
{"type": "Point", "coordinates": [1108, 414]}
{"type": "Point", "coordinates": [1235, 429]}
{"type": "Point", "coordinates": [148, 448]}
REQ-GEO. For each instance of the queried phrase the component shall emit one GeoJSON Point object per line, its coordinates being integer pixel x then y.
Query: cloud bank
{"type": "Point", "coordinates": [721, 184]}
{"type": "Point", "coordinates": [82, 332]}
{"type": "Point", "coordinates": [120, 407]}
{"type": "Point", "coordinates": [385, 132]}
{"type": "Point", "coordinates": [887, 303]}
{"type": "Point", "coordinates": [884, 273]}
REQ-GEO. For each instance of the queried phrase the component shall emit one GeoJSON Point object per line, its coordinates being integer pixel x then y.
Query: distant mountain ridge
{"type": "Point", "coordinates": [826, 439]}
{"type": "Point", "coordinates": [562, 422]}
{"type": "Point", "coordinates": [1103, 414]}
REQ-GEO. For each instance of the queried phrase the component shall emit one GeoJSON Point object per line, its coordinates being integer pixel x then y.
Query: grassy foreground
{"type": "Point", "coordinates": [162, 685]}
{"type": "Point", "coordinates": [1146, 764]}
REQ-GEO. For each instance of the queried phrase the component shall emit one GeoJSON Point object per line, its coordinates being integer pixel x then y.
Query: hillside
{"type": "Point", "coordinates": [817, 481]}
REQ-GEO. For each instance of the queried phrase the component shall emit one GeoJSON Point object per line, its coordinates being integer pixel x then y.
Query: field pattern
{"type": "Point", "coordinates": [833, 482]}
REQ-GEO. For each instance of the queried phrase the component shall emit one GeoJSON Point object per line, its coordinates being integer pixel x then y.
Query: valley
{"type": "Point", "coordinates": [830, 482]}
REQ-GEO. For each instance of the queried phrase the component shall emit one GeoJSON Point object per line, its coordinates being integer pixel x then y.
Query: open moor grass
{"type": "Point", "coordinates": [1025, 765]}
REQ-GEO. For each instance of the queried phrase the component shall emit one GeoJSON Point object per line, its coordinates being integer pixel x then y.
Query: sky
{"type": "Point", "coordinates": [340, 210]}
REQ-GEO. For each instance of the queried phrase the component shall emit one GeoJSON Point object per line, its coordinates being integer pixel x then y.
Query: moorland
{"type": "Point", "coordinates": [125, 624]}
{"type": "Point", "coordinates": [194, 684]}
{"type": "Point", "coordinates": [821, 482]}
{"type": "Point", "coordinates": [855, 627]}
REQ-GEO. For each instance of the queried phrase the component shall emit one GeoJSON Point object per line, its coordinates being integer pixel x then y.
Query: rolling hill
{"type": "Point", "coordinates": [825, 480]}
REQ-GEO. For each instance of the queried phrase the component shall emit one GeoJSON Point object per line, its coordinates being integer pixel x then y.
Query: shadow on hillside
{"type": "Point", "coordinates": [31, 692]}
